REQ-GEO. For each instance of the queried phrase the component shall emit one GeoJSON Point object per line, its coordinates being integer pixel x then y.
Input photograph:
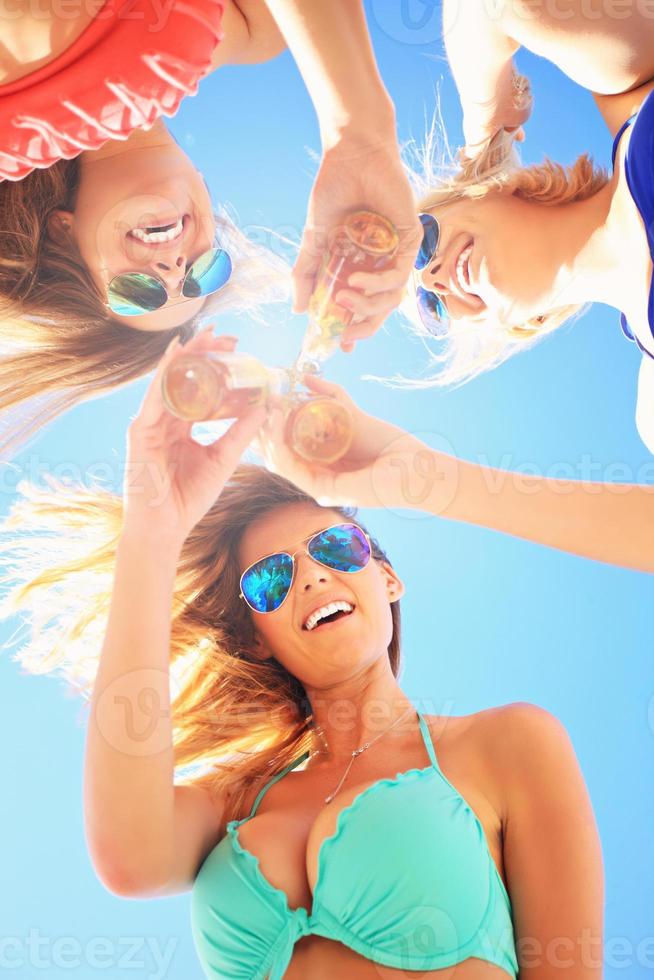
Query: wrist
{"type": "Point", "coordinates": [149, 538]}
{"type": "Point", "coordinates": [424, 479]}
{"type": "Point", "coordinates": [357, 126]}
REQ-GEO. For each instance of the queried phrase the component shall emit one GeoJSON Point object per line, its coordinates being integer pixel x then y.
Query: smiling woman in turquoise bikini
{"type": "Point", "coordinates": [341, 831]}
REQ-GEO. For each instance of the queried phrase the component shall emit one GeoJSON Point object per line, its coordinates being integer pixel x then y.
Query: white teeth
{"type": "Point", "coordinates": [324, 611]}
{"type": "Point", "coordinates": [159, 236]}
{"type": "Point", "coordinates": [462, 269]}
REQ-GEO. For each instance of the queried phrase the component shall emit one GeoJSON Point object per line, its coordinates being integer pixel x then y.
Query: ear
{"type": "Point", "coordinates": [259, 649]}
{"type": "Point", "coordinates": [394, 584]}
{"type": "Point", "coordinates": [60, 225]}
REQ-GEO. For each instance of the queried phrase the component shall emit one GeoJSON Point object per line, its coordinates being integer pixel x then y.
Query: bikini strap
{"type": "Point", "coordinates": [429, 745]}
{"type": "Point", "coordinates": [262, 792]}
{"type": "Point", "coordinates": [618, 136]}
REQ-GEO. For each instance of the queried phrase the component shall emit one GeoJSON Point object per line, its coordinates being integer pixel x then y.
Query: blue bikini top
{"type": "Point", "coordinates": [639, 171]}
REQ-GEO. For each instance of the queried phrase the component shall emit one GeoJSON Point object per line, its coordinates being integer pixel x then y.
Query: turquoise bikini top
{"type": "Point", "coordinates": [406, 880]}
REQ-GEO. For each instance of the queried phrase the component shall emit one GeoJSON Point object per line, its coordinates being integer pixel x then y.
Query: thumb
{"type": "Point", "coordinates": [321, 386]}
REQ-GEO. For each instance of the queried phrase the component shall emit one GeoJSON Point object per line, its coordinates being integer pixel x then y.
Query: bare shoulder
{"type": "Point", "coordinates": [499, 746]}
{"type": "Point", "coordinates": [504, 721]}
{"type": "Point", "coordinates": [518, 728]}
{"type": "Point", "coordinates": [529, 749]}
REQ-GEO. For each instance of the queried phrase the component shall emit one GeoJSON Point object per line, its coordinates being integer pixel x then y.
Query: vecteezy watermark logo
{"type": "Point", "coordinates": [416, 476]}
{"type": "Point", "coordinates": [151, 14]}
{"type": "Point", "coordinates": [409, 21]}
{"type": "Point", "coordinates": [109, 955]}
{"type": "Point", "coordinates": [133, 712]}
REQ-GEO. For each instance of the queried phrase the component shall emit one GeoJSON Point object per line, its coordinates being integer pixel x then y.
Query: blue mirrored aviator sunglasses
{"type": "Point", "coordinates": [431, 308]}
{"type": "Point", "coordinates": [266, 584]}
{"type": "Point", "coordinates": [135, 293]}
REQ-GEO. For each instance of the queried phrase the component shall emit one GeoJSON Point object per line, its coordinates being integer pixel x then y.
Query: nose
{"type": "Point", "coordinates": [170, 266]}
{"type": "Point", "coordinates": [309, 573]}
{"type": "Point", "coordinates": [433, 277]}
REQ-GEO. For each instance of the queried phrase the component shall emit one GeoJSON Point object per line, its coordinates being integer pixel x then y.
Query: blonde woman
{"type": "Point", "coordinates": [109, 245]}
{"type": "Point", "coordinates": [255, 636]}
{"type": "Point", "coordinates": [509, 252]}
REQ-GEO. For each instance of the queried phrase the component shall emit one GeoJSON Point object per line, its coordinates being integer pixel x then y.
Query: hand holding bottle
{"type": "Point", "coordinates": [359, 172]}
{"type": "Point", "coordinates": [368, 475]}
{"type": "Point", "coordinates": [171, 480]}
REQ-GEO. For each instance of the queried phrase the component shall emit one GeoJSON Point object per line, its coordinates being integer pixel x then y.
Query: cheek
{"type": "Point", "coordinates": [95, 242]}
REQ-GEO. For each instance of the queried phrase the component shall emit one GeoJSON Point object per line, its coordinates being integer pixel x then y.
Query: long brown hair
{"type": "Point", "coordinates": [235, 718]}
{"type": "Point", "coordinates": [59, 344]}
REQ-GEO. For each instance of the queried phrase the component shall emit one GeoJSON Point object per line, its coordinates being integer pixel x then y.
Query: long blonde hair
{"type": "Point", "coordinates": [235, 719]}
{"type": "Point", "coordinates": [438, 178]}
{"type": "Point", "coordinates": [58, 343]}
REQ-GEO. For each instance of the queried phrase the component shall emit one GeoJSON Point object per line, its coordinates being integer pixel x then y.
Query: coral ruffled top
{"type": "Point", "coordinates": [133, 63]}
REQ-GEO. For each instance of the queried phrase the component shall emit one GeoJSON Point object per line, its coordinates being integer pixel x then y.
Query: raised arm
{"type": "Point", "coordinates": [611, 57]}
{"type": "Point", "coordinates": [551, 846]}
{"type": "Point", "coordinates": [332, 49]}
{"type": "Point", "coordinates": [480, 55]}
{"type": "Point", "coordinates": [388, 467]}
{"type": "Point", "coordinates": [146, 835]}
{"type": "Point", "coordinates": [361, 164]}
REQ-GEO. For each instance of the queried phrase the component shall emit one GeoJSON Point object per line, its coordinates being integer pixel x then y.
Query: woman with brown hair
{"type": "Point", "coordinates": [109, 245]}
{"type": "Point", "coordinates": [277, 622]}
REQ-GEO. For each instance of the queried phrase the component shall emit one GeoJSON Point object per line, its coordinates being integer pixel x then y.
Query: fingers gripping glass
{"type": "Point", "coordinates": [266, 584]}
{"type": "Point", "coordinates": [135, 293]}
{"type": "Point", "coordinates": [431, 308]}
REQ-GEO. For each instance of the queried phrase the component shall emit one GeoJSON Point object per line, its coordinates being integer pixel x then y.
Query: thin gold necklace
{"type": "Point", "coordinates": [358, 751]}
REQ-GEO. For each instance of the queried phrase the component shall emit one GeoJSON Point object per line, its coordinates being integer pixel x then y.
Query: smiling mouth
{"type": "Point", "coordinates": [330, 613]}
{"type": "Point", "coordinates": [462, 274]}
{"type": "Point", "coordinates": [159, 234]}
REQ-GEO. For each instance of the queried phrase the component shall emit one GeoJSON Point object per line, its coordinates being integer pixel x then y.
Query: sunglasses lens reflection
{"type": "Point", "coordinates": [430, 236]}
{"type": "Point", "coordinates": [433, 314]}
{"type": "Point", "coordinates": [208, 274]}
{"type": "Point", "coordinates": [344, 548]}
{"type": "Point", "coordinates": [133, 293]}
{"type": "Point", "coordinates": [266, 584]}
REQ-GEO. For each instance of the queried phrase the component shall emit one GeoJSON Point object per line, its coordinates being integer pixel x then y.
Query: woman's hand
{"type": "Point", "coordinates": [360, 171]}
{"type": "Point", "coordinates": [382, 467]}
{"type": "Point", "coordinates": [171, 480]}
{"type": "Point", "coordinates": [509, 109]}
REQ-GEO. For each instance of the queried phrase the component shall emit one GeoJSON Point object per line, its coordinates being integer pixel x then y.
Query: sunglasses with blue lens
{"type": "Point", "coordinates": [266, 583]}
{"type": "Point", "coordinates": [431, 233]}
{"type": "Point", "coordinates": [431, 309]}
{"type": "Point", "coordinates": [136, 293]}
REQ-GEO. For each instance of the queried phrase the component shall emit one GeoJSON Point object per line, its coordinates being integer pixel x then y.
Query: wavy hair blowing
{"type": "Point", "coordinates": [439, 179]}
{"type": "Point", "coordinates": [233, 716]}
{"type": "Point", "coordinates": [58, 343]}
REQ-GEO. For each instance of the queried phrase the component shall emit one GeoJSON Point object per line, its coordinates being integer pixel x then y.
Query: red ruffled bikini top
{"type": "Point", "coordinates": [134, 62]}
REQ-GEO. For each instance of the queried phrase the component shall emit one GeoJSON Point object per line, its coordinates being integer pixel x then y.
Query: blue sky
{"type": "Point", "coordinates": [488, 619]}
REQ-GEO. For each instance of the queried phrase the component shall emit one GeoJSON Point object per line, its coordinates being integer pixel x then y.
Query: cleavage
{"type": "Point", "coordinates": [287, 841]}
